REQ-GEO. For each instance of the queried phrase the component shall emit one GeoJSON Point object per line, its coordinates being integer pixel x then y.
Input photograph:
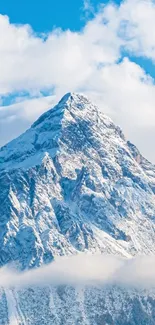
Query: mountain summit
{"type": "Point", "coordinates": [73, 183]}
{"type": "Point", "coordinates": [68, 121]}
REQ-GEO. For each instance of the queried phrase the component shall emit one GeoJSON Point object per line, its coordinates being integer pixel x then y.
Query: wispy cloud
{"type": "Point", "coordinates": [96, 270]}
{"type": "Point", "coordinates": [88, 8]}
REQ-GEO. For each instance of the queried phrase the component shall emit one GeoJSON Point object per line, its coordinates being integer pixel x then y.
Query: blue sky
{"type": "Point", "coordinates": [43, 15]}
{"type": "Point", "coordinates": [106, 52]}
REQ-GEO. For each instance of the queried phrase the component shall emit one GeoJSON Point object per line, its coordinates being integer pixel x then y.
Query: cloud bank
{"type": "Point", "coordinates": [97, 61]}
{"type": "Point", "coordinates": [86, 270]}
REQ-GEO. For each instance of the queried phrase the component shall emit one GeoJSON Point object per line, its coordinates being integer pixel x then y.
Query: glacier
{"type": "Point", "coordinates": [73, 183]}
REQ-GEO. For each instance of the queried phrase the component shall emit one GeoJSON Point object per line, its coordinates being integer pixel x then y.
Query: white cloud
{"type": "Point", "coordinates": [84, 269]}
{"type": "Point", "coordinates": [65, 59]}
{"type": "Point", "coordinates": [138, 18]}
{"type": "Point", "coordinates": [89, 62]}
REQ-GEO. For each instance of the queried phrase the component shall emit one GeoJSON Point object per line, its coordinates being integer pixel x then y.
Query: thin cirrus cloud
{"type": "Point", "coordinates": [90, 61]}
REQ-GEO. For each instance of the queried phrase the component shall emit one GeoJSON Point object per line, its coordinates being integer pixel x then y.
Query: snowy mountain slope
{"type": "Point", "coordinates": [83, 306]}
{"type": "Point", "coordinates": [73, 183]}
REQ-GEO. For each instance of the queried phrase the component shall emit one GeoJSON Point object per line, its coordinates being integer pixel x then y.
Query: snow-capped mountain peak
{"type": "Point", "coordinates": [74, 113]}
{"type": "Point", "coordinates": [73, 183]}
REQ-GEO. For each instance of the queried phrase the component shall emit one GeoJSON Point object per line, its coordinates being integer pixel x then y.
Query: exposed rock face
{"type": "Point", "coordinates": [73, 183]}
